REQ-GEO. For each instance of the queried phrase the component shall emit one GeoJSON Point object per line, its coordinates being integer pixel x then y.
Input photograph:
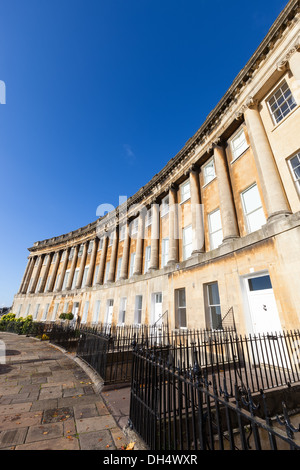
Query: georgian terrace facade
{"type": "Point", "coordinates": [217, 230]}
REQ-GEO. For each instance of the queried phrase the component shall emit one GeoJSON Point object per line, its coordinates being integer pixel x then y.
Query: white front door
{"type": "Point", "coordinates": [262, 304]}
{"type": "Point", "coordinates": [157, 309]}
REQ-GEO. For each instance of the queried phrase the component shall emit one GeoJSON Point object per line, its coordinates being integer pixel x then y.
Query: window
{"type": "Point", "coordinates": [119, 265]}
{"type": "Point", "coordinates": [19, 310]}
{"type": "Point", "coordinates": [122, 311]}
{"type": "Point", "coordinates": [63, 255]}
{"type": "Point", "coordinates": [38, 285]}
{"type": "Point", "coordinates": [96, 274]}
{"type": "Point", "coordinates": [27, 310]}
{"type": "Point", "coordinates": [147, 258]}
{"type": "Point", "coordinates": [85, 312]}
{"type": "Point", "coordinates": [47, 284]}
{"type": "Point", "coordinates": [180, 306]}
{"type": "Point", "coordinates": [96, 311]}
{"type": "Point", "coordinates": [294, 163]}
{"type": "Point", "coordinates": [106, 271]}
{"type": "Point", "coordinates": [253, 210]}
{"type": "Point", "coordinates": [214, 307]}
{"type": "Point", "coordinates": [185, 191]}
{"type": "Point", "coordinates": [149, 217]}
{"type": "Point", "coordinates": [44, 318]}
{"type": "Point", "coordinates": [85, 274]}
{"type": "Point", "coordinates": [259, 283]}
{"type": "Point", "coordinates": [54, 258]}
{"type": "Point", "coordinates": [187, 242]}
{"type": "Point", "coordinates": [215, 229]}
{"type": "Point", "coordinates": [75, 278]}
{"type": "Point", "coordinates": [165, 206]}
{"type": "Point", "coordinates": [36, 311]}
{"type": "Point", "coordinates": [55, 309]}
{"type": "Point", "coordinates": [281, 103]}
{"type": "Point", "coordinates": [66, 280]}
{"type": "Point", "coordinates": [164, 252]}
{"type": "Point", "coordinates": [80, 251]}
{"type": "Point", "coordinates": [100, 244]}
{"type": "Point", "coordinates": [66, 307]}
{"type": "Point", "coordinates": [134, 226]}
{"type": "Point", "coordinates": [122, 232]}
{"type": "Point", "coordinates": [45, 260]}
{"type": "Point", "coordinates": [209, 171]}
{"type": "Point", "coordinates": [138, 309]}
{"type": "Point", "coordinates": [109, 311]}
{"type": "Point", "coordinates": [71, 255]}
{"type": "Point", "coordinates": [132, 260]}
{"type": "Point", "coordinates": [238, 144]}
{"type": "Point", "coordinates": [91, 244]}
{"type": "Point", "coordinates": [57, 281]}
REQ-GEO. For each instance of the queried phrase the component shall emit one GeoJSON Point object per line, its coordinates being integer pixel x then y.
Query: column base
{"type": "Point", "coordinates": [278, 215]}
{"type": "Point", "coordinates": [229, 239]}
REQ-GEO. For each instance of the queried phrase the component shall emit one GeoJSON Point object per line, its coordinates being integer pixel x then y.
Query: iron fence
{"type": "Point", "coordinates": [184, 409]}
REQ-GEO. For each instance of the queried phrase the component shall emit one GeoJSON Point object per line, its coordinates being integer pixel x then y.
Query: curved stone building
{"type": "Point", "coordinates": [214, 237]}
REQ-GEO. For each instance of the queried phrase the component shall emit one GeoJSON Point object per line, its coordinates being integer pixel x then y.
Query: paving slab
{"type": "Point", "coordinates": [50, 401]}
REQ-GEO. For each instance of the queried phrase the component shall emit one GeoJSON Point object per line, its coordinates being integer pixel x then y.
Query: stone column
{"type": "Point", "coordinates": [273, 192]}
{"type": "Point", "coordinates": [82, 265]}
{"type": "Point", "coordinates": [173, 225]}
{"type": "Point", "coordinates": [125, 257]}
{"type": "Point", "coordinates": [37, 274]}
{"type": "Point", "coordinates": [197, 214]}
{"type": "Point", "coordinates": [154, 259]}
{"type": "Point", "coordinates": [24, 276]}
{"type": "Point", "coordinates": [54, 271]}
{"type": "Point", "coordinates": [73, 267]}
{"type": "Point", "coordinates": [139, 244]}
{"type": "Point", "coordinates": [45, 274]}
{"type": "Point", "coordinates": [227, 209]}
{"type": "Point", "coordinates": [100, 276]}
{"type": "Point", "coordinates": [28, 275]}
{"type": "Point", "coordinates": [294, 63]}
{"type": "Point", "coordinates": [89, 280]}
{"type": "Point", "coordinates": [63, 271]}
{"type": "Point", "coordinates": [113, 257]}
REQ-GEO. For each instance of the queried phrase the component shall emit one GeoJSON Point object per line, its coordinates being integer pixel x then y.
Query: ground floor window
{"type": "Point", "coordinates": [138, 309]}
{"type": "Point", "coordinates": [180, 308]}
{"type": "Point", "coordinates": [122, 311]}
{"type": "Point", "coordinates": [213, 306]}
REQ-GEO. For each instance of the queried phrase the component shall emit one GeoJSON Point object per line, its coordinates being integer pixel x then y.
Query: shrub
{"type": "Point", "coordinates": [66, 316]}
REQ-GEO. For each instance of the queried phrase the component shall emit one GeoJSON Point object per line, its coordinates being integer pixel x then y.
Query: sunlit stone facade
{"type": "Point", "coordinates": [214, 237]}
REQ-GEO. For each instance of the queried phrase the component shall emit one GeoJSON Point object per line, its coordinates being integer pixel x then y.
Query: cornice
{"type": "Point", "coordinates": [202, 136]}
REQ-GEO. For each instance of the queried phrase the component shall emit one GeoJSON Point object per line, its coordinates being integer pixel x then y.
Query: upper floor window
{"type": "Point", "coordinates": [80, 251]}
{"type": "Point", "coordinates": [281, 103]}
{"type": "Point", "coordinates": [185, 191]}
{"type": "Point", "coordinates": [119, 265]}
{"type": "Point", "coordinates": [187, 242]}
{"type": "Point", "coordinates": [215, 229]}
{"type": "Point", "coordinates": [164, 252]}
{"type": "Point", "coordinates": [91, 244]}
{"type": "Point", "coordinates": [45, 260]}
{"type": "Point", "coordinates": [122, 232]}
{"type": "Point", "coordinates": [253, 209]}
{"type": "Point", "coordinates": [54, 257]}
{"type": "Point", "coordinates": [132, 261]}
{"type": "Point", "coordinates": [165, 206]}
{"type": "Point", "coordinates": [100, 246]}
{"type": "Point", "coordinates": [294, 163]}
{"type": "Point", "coordinates": [71, 255]}
{"type": "Point", "coordinates": [149, 217]}
{"type": "Point", "coordinates": [111, 238]}
{"type": "Point", "coordinates": [238, 144]}
{"type": "Point", "coordinates": [134, 226]}
{"type": "Point", "coordinates": [147, 257]}
{"type": "Point", "coordinates": [209, 171]}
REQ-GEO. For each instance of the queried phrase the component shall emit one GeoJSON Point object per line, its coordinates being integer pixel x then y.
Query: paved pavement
{"type": "Point", "coordinates": [50, 400]}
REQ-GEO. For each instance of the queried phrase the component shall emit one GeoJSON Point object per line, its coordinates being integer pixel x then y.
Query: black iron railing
{"type": "Point", "coordinates": [185, 409]}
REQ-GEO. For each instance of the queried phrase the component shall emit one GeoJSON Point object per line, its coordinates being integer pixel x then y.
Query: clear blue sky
{"type": "Point", "coordinates": [100, 94]}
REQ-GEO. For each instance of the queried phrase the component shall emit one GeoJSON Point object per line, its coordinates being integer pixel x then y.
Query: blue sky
{"type": "Point", "coordinates": [100, 95]}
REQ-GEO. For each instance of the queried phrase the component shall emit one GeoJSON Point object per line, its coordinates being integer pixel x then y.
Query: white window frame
{"type": "Point", "coordinates": [147, 258]}
{"type": "Point", "coordinates": [241, 148]}
{"type": "Point", "coordinates": [212, 234]}
{"type": "Point", "coordinates": [55, 310]}
{"type": "Point", "coordinates": [291, 106]}
{"type": "Point", "coordinates": [96, 311]}
{"type": "Point", "coordinates": [148, 217]}
{"type": "Point", "coordinates": [181, 310]}
{"type": "Point", "coordinates": [45, 312]}
{"type": "Point", "coordinates": [106, 271]}
{"type": "Point", "coordinates": [164, 252]}
{"type": "Point", "coordinates": [27, 310]}
{"type": "Point", "coordinates": [292, 169]}
{"type": "Point", "coordinates": [36, 311]}
{"type": "Point", "coordinates": [119, 265]}
{"type": "Point", "coordinates": [74, 281]}
{"type": "Point", "coordinates": [211, 306]}
{"type": "Point", "coordinates": [138, 310]}
{"type": "Point", "coordinates": [122, 311]}
{"type": "Point", "coordinates": [187, 247]}
{"type": "Point", "coordinates": [132, 262]}
{"type": "Point", "coordinates": [122, 232]}
{"type": "Point", "coordinates": [208, 178]}
{"type": "Point", "coordinates": [164, 207]}
{"type": "Point", "coordinates": [90, 247]}
{"type": "Point", "coordinates": [100, 244]}
{"type": "Point", "coordinates": [134, 226]}
{"type": "Point", "coordinates": [57, 281]}
{"type": "Point", "coordinates": [185, 191]}
{"type": "Point", "coordinates": [96, 274]}
{"type": "Point", "coordinates": [85, 275]}
{"type": "Point", "coordinates": [85, 312]}
{"type": "Point", "coordinates": [67, 273]}
{"type": "Point", "coordinates": [259, 209]}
